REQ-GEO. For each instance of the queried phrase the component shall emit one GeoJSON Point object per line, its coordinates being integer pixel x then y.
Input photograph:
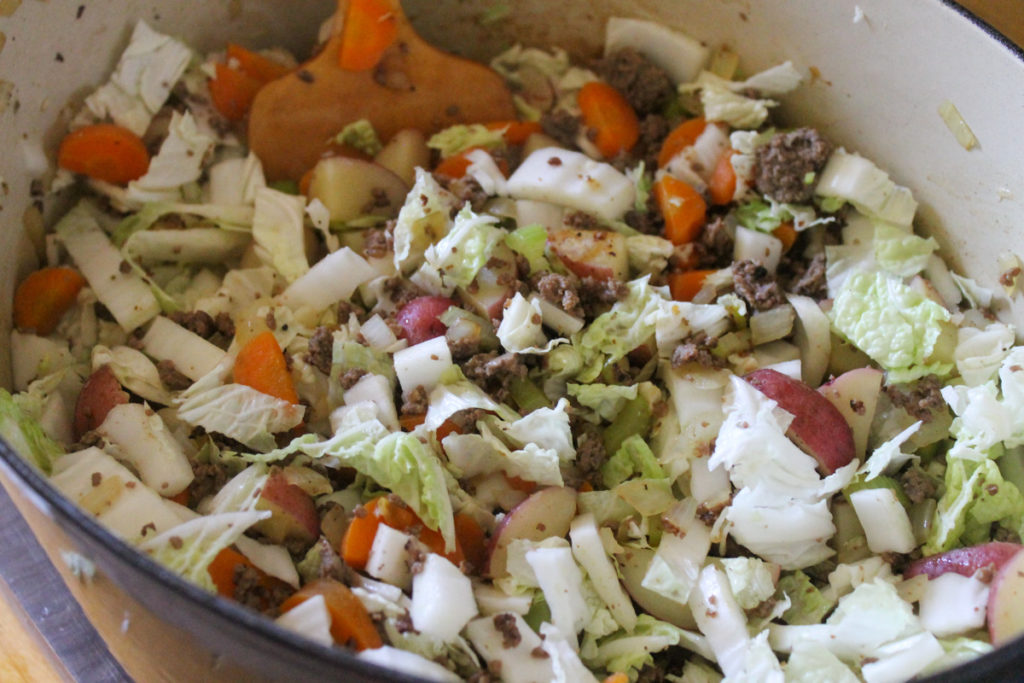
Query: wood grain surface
{"type": "Point", "coordinates": [24, 654]}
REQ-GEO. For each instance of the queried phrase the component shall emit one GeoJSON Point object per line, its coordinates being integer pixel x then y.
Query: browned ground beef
{"type": "Point", "coordinates": [649, 221]}
{"type": "Point", "coordinates": [562, 126]}
{"type": "Point", "coordinates": [917, 485]}
{"type": "Point", "coordinates": [493, 372]}
{"type": "Point", "coordinates": [321, 349]}
{"type": "Point", "coordinates": [505, 624]}
{"type": "Point", "coordinates": [377, 244]}
{"type": "Point", "coordinates": [198, 322]}
{"type": "Point", "coordinates": [350, 377]}
{"type": "Point", "coordinates": [416, 403]}
{"type": "Point", "coordinates": [401, 291]}
{"type": "Point", "coordinates": [559, 290]}
{"type": "Point", "coordinates": [466, 189]}
{"type": "Point", "coordinates": [921, 400]}
{"type": "Point", "coordinates": [782, 165]}
{"type": "Point", "coordinates": [756, 285]}
{"type": "Point", "coordinates": [252, 590]}
{"type": "Point", "coordinates": [808, 277]}
{"type": "Point", "coordinates": [697, 349]}
{"type": "Point", "coordinates": [171, 377]}
{"type": "Point", "coordinates": [645, 85]}
{"type": "Point", "coordinates": [596, 294]}
{"type": "Point", "coordinates": [714, 244]}
{"type": "Point", "coordinates": [209, 478]}
{"type": "Point", "coordinates": [465, 420]}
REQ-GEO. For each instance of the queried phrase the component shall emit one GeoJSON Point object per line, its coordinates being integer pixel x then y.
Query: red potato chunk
{"type": "Point", "coordinates": [100, 393]}
{"type": "Point", "coordinates": [419, 318]}
{"type": "Point", "coordinates": [964, 561]}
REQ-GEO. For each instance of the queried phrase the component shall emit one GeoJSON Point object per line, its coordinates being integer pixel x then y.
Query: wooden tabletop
{"type": "Point", "coordinates": [25, 656]}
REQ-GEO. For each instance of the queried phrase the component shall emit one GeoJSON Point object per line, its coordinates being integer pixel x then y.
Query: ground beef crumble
{"type": "Point", "coordinates": [921, 401]}
{"type": "Point", "coordinates": [416, 403]}
{"type": "Point", "coordinates": [562, 126]}
{"type": "Point", "coordinates": [756, 285]}
{"type": "Point", "coordinates": [252, 590]}
{"type": "Point", "coordinates": [505, 624]}
{"type": "Point", "coordinates": [782, 166]}
{"type": "Point", "coordinates": [350, 378]}
{"type": "Point", "coordinates": [172, 378]}
{"type": "Point", "coordinates": [596, 294]}
{"type": "Point", "coordinates": [917, 485]}
{"type": "Point", "coordinates": [560, 290]}
{"type": "Point", "coordinates": [646, 86]}
{"type": "Point", "coordinates": [697, 349]}
{"type": "Point", "coordinates": [377, 243]}
{"type": "Point", "coordinates": [321, 349]}
{"type": "Point", "coordinates": [808, 277]}
{"type": "Point", "coordinates": [493, 372]}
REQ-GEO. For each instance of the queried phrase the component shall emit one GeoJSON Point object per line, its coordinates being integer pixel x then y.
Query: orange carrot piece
{"type": "Point", "coordinates": [350, 622]}
{"type": "Point", "coordinates": [610, 116]}
{"type": "Point", "coordinates": [456, 165]}
{"type": "Point", "coordinates": [42, 299]}
{"type": "Point", "coordinates": [616, 678]}
{"type": "Point", "coordinates": [104, 151]}
{"type": "Point", "coordinates": [370, 28]}
{"type": "Point", "coordinates": [447, 427]}
{"type": "Point", "coordinates": [183, 496]}
{"type": "Point", "coordinates": [684, 285]}
{"type": "Point", "coordinates": [471, 539]}
{"type": "Point", "coordinates": [222, 570]}
{"type": "Point", "coordinates": [681, 137]}
{"type": "Point", "coordinates": [411, 422]}
{"type": "Point", "coordinates": [232, 92]}
{"type": "Point", "coordinates": [682, 206]}
{"type": "Point", "coordinates": [255, 65]}
{"type": "Point", "coordinates": [515, 132]}
{"type": "Point", "coordinates": [520, 484]}
{"type": "Point", "coordinates": [786, 234]}
{"type": "Point", "coordinates": [722, 184]}
{"type": "Point", "coordinates": [358, 539]}
{"type": "Point", "coordinates": [261, 365]}
{"type": "Point", "coordinates": [586, 487]}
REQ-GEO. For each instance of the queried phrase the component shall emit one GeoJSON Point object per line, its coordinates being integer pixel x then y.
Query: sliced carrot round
{"type": "Point", "coordinates": [370, 28]}
{"type": "Point", "coordinates": [44, 297]}
{"type": "Point", "coordinates": [722, 184]}
{"type": "Point", "coordinates": [681, 137]}
{"type": "Point", "coordinates": [610, 116]}
{"type": "Point", "coordinates": [261, 365]}
{"type": "Point", "coordinates": [351, 624]}
{"type": "Point", "coordinates": [684, 285]}
{"type": "Point", "coordinates": [682, 206]}
{"type": "Point", "coordinates": [232, 92]}
{"type": "Point", "coordinates": [104, 151]}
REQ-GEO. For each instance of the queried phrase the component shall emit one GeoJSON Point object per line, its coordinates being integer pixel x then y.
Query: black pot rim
{"type": "Point", "coordinates": [1003, 663]}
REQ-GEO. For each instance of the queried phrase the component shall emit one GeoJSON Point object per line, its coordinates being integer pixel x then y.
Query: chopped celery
{"type": "Point", "coordinates": [634, 419]}
{"type": "Point", "coordinates": [539, 612]}
{"type": "Point", "coordinates": [527, 395]}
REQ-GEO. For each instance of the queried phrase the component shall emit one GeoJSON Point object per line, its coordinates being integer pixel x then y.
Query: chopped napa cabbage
{"type": "Point", "coordinates": [529, 241]}
{"type": "Point", "coordinates": [521, 330]}
{"type": "Point", "coordinates": [976, 495]}
{"type": "Point", "coordinates": [807, 604]}
{"type": "Point", "coordinates": [142, 80]}
{"type": "Point", "coordinates": [630, 323]}
{"type": "Point", "coordinates": [521, 67]}
{"type": "Point", "coordinates": [362, 136]}
{"type": "Point", "coordinates": [987, 415]}
{"type": "Point", "coordinates": [189, 548]}
{"type": "Point", "coordinates": [179, 162]}
{"type": "Point", "coordinates": [887, 458]}
{"type": "Point", "coordinates": [448, 398]}
{"type": "Point", "coordinates": [225, 216]}
{"type": "Point", "coordinates": [781, 510]}
{"type": "Point", "coordinates": [750, 579]}
{"type": "Point", "coordinates": [722, 104]}
{"type": "Point", "coordinates": [25, 435]}
{"type": "Point", "coordinates": [980, 352]}
{"type": "Point", "coordinates": [277, 229]}
{"type": "Point", "coordinates": [857, 180]}
{"type": "Point", "coordinates": [901, 252]}
{"type": "Point", "coordinates": [458, 256]}
{"type": "Point", "coordinates": [811, 663]}
{"type": "Point", "coordinates": [631, 652]}
{"type": "Point", "coordinates": [604, 399]}
{"type": "Point", "coordinates": [460, 137]}
{"type": "Point", "coordinates": [239, 412]}
{"type": "Point", "coordinates": [565, 661]}
{"type": "Point", "coordinates": [892, 323]}
{"type": "Point", "coordinates": [634, 458]}
{"type": "Point", "coordinates": [397, 461]}
{"type": "Point", "coordinates": [958, 651]}
{"type": "Point", "coordinates": [422, 220]}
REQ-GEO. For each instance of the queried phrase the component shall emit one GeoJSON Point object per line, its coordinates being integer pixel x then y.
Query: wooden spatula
{"type": "Point", "coordinates": [413, 85]}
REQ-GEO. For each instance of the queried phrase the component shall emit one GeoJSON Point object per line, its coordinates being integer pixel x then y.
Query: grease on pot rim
{"type": "Point", "coordinates": [629, 381]}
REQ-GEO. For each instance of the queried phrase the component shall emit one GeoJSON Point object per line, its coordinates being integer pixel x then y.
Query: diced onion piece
{"type": "Point", "coordinates": [758, 246]}
{"type": "Point", "coordinates": [557, 319]}
{"type": "Point", "coordinates": [884, 519]}
{"type": "Point", "coordinates": [331, 280]}
{"type": "Point", "coordinates": [273, 560]}
{"type": "Point", "coordinates": [952, 604]}
{"type": "Point", "coordinates": [957, 125]}
{"type": "Point", "coordinates": [589, 552]}
{"type": "Point", "coordinates": [142, 441]}
{"type": "Point", "coordinates": [775, 323]}
{"type": "Point", "coordinates": [422, 364]}
{"type": "Point", "coordinates": [377, 390]}
{"type": "Point", "coordinates": [442, 599]}
{"type": "Point", "coordinates": [575, 180]}
{"type": "Point", "coordinates": [389, 558]}
{"type": "Point", "coordinates": [192, 355]}
{"type": "Point", "coordinates": [309, 618]}
{"type": "Point", "coordinates": [813, 336]}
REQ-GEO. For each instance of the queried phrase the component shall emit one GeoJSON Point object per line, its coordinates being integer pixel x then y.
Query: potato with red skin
{"type": "Point", "coordinates": [818, 428]}
{"type": "Point", "coordinates": [600, 254]}
{"type": "Point", "coordinates": [100, 393]}
{"type": "Point", "coordinates": [293, 513]}
{"type": "Point", "coordinates": [419, 318]}
{"type": "Point", "coordinates": [964, 561]}
{"type": "Point", "coordinates": [1004, 615]}
{"type": "Point", "coordinates": [544, 514]}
